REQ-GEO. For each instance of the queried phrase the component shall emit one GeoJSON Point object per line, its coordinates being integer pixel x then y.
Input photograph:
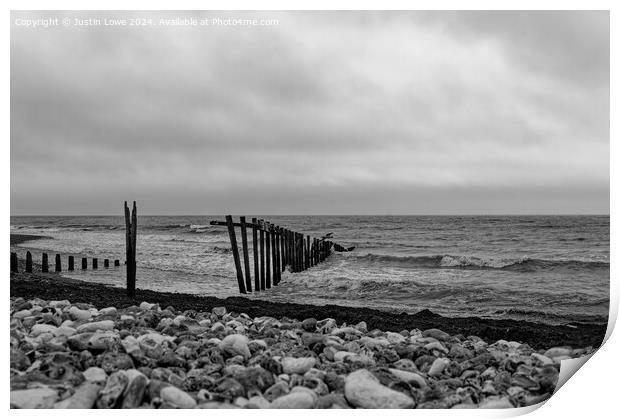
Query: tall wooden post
{"type": "Point", "coordinates": [294, 251]}
{"type": "Point", "coordinates": [285, 240]}
{"type": "Point", "coordinates": [291, 259]}
{"type": "Point", "coordinates": [57, 265]}
{"type": "Point", "coordinates": [44, 267]}
{"type": "Point", "coordinates": [282, 256]}
{"type": "Point", "coordinates": [131, 230]}
{"type": "Point", "coordinates": [255, 250]}
{"type": "Point", "coordinates": [28, 261]}
{"type": "Point", "coordinates": [314, 252]}
{"type": "Point", "coordinates": [308, 263]}
{"type": "Point", "coordinates": [134, 243]}
{"type": "Point", "coordinates": [262, 255]}
{"type": "Point", "coordinates": [300, 249]}
{"type": "Point", "coordinates": [295, 238]}
{"type": "Point", "coordinates": [246, 256]}
{"type": "Point", "coordinates": [267, 256]}
{"type": "Point", "coordinates": [291, 250]}
{"type": "Point", "coordinates": [276, 255]}
{"type": "Point", "coordinates": [14, 263]}
{"type": "Point", "coordinates": [235, 250]}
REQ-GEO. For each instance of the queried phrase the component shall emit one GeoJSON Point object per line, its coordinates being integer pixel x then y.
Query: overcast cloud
{"type": "Point", "coordinates": [325, 113]}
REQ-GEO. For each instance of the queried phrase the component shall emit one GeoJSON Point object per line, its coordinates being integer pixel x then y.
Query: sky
{"type": "Point", "coordinates": [322, 113]}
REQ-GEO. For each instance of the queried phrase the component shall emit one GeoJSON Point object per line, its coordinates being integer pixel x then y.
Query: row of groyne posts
{"type": "Point", "coordinates": [273, 249]}
{"type": "Point", "coordinates": [58, 263]}
{"type": "Point", "coordinates": [131, 228]}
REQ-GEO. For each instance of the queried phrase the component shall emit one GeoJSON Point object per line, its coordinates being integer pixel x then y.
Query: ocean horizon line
{"type": "Point", "coordinates": [119, 214]}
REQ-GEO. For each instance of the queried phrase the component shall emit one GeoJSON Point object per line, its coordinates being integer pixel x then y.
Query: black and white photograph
{"type": "Point", "coordinates": [377, 209]}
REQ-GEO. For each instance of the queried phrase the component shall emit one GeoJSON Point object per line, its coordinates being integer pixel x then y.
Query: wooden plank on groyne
{"type": "Point", "coordinates": [255, 251]}
{"type": "Point", "coordinates": [235, 251]}
{"type": "Point", "coordinates": [246, 255]}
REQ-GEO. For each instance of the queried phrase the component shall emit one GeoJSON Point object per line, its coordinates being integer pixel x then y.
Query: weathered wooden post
{"type": "Point", "coordinates": [246, 256]}
{"type": "Point", "coordinates": [295, 237]}
{"type": "Point", "coordinates": [255, 251]}
{"type": "Point", "coordinates": [307, 243]}
{"type": "Point", "coordinates": [28, 261]}
{"type": "Point", "coordinates": [14, 263]}
{"type": "Point", "coordinates": [58, 264]}
{"type": "Point", "coordinates": [284, 248]}
{"type": "Point", "coordinates": [106, 263]}
{"type": "Point", "coordinates": [308, 253]}
{"type": "Point", "coordinates": [292, 262]}
{"type": "Point", "coordinates": [308, 264]}
{"type": "Point", "coordinates": [305, 249]}
{"type": "Point", "coordinates": [134, 242]}
{"type": "Point", "coordinates": [278, 256]}
{"type": "Point", "coordinates": [131, 228]}
{"type": "Point", "coordinates": [71, 263]}
{"type": "Point", "coordinates": [316, 251]}
{"type": "Point", "coordinates": [95, 263]}
{"type": "Point", "coordinates": [283, 244]}
{"type": "Point", "coordinates": [262, 255]}
{"type": "Point", "coordinates": [274, 256]}
{"type": "Point", "coordinates": [282, 255]}
{"type": "Point", "coordinates": [287, 248]}
{"type": "Point", "coordinates": [84, 263]}
{"type": "Point", "coordinates": [300, 250]}
{"type": "Point", "coordinates": [235, 250]}
{"type": "Point", "coordinates": [44, 267]}
{"type": "Point", "coordinates": [267, 256]}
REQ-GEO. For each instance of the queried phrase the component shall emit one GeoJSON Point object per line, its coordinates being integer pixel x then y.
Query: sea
{"type": "Point", "coordinates": [550, 269]}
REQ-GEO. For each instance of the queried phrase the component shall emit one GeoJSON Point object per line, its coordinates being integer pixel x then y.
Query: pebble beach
{"type": "Point", "coordinates": [75, 344]}
{"type": "Point", "coordinates": [74, 355]}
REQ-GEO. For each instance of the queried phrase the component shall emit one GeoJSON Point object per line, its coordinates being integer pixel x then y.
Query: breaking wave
{"type": "Point", "coordinates": [471, 262]}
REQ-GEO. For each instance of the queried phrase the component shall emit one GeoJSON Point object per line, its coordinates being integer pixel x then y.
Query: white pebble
{"type": "Point", "coordinates": [177, 397]}
{"type": "Point", "coordinates": [297, 365]}
{"type": "Point", "coordinates": [363, 390]}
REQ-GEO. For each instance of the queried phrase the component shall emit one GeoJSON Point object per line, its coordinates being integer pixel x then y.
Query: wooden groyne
{"type": "Point", "coordinates": [131, 223]}
{"type": "Point", "coordinates": [273, 249]}
{"type": "Point", "coordinates": [58, 264]}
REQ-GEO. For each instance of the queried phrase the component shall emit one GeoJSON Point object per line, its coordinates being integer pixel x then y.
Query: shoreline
{"type": "Point", "coordinates": [52, 286]}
